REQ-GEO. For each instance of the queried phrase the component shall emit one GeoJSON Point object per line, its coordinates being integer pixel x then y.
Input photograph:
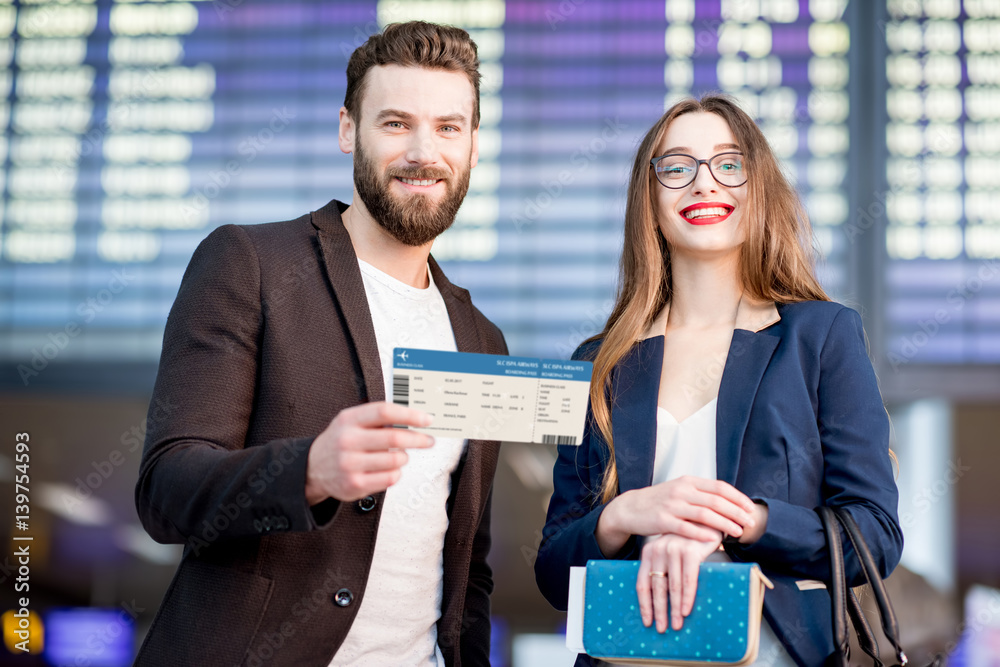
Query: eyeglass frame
{"type": "Point", "coordinates": [698, 163]}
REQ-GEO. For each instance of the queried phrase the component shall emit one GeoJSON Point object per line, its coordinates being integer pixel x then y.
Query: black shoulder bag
{"type": "Point", "coordinates": [844, 602]}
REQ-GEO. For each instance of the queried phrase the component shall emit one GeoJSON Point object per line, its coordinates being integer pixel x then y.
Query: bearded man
{"type": "Point", "coordinates": [315, 534]}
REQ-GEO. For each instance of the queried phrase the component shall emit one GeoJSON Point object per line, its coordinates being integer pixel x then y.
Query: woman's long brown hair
{"type": "Point", "coordinates": [775, 264]}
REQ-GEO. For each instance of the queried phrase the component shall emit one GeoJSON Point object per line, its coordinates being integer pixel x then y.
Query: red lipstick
{"type": "Point", "coordinates": [707, 212]}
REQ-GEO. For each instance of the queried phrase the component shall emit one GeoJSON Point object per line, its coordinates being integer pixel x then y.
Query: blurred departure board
{"type": "Point", "coordinates": [135, 128]}
{"type": "Point", "coordinates": [943, 199]}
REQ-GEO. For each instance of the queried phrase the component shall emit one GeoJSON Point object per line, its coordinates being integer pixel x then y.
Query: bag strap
{"type": "Point", "coordinates": [888, 616]}
{"type": "Point", "coordinates": [866, 638]}
{"type": "Point", "coordinates": [838, 585]}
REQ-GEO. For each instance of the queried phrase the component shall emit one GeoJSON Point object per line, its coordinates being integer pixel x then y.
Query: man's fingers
{"type": "Point", "coordinates": [382, 461]}
{"type": "Point", "coordinates": [372, 439]}
{"type": "Point", "coordinates": [381, 413]}
{"type": "Point", "coordinates": [376, 482]}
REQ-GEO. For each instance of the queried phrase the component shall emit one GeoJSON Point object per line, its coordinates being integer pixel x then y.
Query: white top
{"type": "Point", "coordinates": [396, 622]}
{"type": "Point", "coordinates": [688, 448]}
{"type": "Point", "coordinates": [685, 448]}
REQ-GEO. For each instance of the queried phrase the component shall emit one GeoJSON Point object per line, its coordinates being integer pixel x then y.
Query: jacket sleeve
{"type": "Point", "coordinates": [857, 472]}
{"type": "Point", "coordinates": [198, 482]}
{"type": "Point", "coordinates": [568, 538]}
{"type": "Point", "coordinates": [476, 628]}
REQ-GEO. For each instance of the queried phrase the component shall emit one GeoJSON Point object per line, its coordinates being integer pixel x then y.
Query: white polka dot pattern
{"type": "Point", "coordinates": [717, 630]}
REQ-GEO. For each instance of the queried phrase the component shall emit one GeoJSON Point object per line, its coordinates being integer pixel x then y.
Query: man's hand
{"type": "Point", "coordinates": [356, 455]}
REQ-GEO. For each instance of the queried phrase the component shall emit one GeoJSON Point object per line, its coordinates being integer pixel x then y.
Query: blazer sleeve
{"type": "Point", "coordinates": [476, 629]}
{"type": "Point", "coordinates": [197, 479]}
{"type": "Point", "coordinates": [857, 472]}
{"type": "Point", "coordinates": [568, 538]}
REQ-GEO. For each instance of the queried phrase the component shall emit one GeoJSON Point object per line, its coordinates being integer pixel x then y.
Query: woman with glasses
{"type": "Point", "coordinates": [730, 397]}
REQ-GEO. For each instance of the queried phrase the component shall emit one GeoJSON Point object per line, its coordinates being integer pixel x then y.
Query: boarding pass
{"type": "Point", "coordinates": [491, 397]}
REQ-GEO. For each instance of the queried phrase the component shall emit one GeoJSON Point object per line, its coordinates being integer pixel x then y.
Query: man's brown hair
{"type": "Point", "coordinates": [413, 44]}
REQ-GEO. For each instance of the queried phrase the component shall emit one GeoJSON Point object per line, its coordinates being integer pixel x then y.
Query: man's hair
{"type": "Point", "coordinates": [413, 44]}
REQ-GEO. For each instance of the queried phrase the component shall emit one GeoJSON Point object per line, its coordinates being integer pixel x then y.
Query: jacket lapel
{"type": "Point", "coordinates": [749, 354]}
{"type": "Point", "coordinates": [459, 306]}
{"type": "Point", "coordinates": [342, 270]}
{"type": "Point", "coordinates": [633, 426]}
{"type": "Point", "coordinates": [478, 457]}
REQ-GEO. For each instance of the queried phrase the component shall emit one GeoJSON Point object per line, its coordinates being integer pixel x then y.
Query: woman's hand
{"type": "Point", "coordinates": [691, 507]}
{"type": "Point", "coordinates": [679, 558]}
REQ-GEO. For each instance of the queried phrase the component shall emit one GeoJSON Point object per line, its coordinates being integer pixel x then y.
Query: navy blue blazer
{"type": "Point", "coordinates": [800, 424]}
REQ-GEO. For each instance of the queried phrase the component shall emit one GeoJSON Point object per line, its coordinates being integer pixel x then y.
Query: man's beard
{"type": "Point", "coordinates": [415, 220]}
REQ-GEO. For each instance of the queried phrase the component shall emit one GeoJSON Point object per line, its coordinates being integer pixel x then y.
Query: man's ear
{"type": "Point", "coordinates": [345, 135]}
{"type": "Point", "coordinates": [474, 157]}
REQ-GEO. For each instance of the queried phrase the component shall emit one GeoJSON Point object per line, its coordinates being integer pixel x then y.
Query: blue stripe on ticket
{"type": "Point", "coordinates": [491, 364]}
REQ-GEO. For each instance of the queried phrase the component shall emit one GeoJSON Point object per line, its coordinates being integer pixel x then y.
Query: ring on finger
{"type": "Point", "coordinates": [658, 574]}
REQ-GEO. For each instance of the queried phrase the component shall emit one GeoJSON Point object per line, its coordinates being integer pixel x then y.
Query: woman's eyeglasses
{"type": "Point", "coordinates": [678, 170]}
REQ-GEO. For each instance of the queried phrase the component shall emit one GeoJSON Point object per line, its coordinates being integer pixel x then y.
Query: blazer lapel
{"type": "Point", "coordinates": [633, 423]}
{"type": "Point", "coordinates": [342, 270]}
{"type": "Point", "coordinates": [459, 306]}
{"type": "Point", "coordinates": [749, 354]}
{"type": "Point", "coordinates": [479, 458]}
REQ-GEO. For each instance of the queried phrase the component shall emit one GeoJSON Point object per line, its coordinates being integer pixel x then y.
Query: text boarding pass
{"type": "Point", "coordinates": [491, 397]}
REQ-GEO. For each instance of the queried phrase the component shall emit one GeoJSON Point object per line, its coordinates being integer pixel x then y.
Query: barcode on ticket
{"type": "Point", "coordinates": [401, 389]}
{"type": "Point", "coordinates": [558, 439]}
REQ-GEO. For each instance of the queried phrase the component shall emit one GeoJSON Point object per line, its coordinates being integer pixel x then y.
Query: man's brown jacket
{"type": "Point", "coordinates": [270, 337]}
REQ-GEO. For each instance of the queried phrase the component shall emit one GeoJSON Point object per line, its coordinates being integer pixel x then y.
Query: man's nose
{"type": "Point", "coordinates": [422, 149]}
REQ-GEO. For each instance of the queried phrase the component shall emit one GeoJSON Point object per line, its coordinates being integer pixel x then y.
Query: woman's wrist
{"type": "Point", "coordinates": [754, 533]}
{"type": "Point", "coordinates": [610, 534]}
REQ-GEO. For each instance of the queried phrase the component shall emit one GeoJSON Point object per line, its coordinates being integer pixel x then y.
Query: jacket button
{"type": "Point", "coordinates": [366, 504]}
{"type": "Point", "coordinates": [343, 597]}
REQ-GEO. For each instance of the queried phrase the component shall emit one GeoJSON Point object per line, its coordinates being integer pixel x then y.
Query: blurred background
{"type": "Point", "coordinates": [132, 129]}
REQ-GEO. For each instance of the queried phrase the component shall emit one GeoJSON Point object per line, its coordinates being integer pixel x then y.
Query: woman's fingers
{"type": "Point", "coordinates": [675, 580]}
{"type": "Point", "coordinates": [692, 530]}
{"type": "Point", "coordinates": [666, 600]}
{"type": "Point", "coordinates": [659, 585]}
{"type": "Point", "coordinates": [691, 564]}
{"type": "Point", "coordinates": [651, 584]}
{"type": "Point", "coordinates": [725, 490]}
{"type": "Point", "coordinates": [643, 590]}
{"type": "Point", "coordinates": [735, 512]}
{"type": "Point", "coordinates": [707, 517]}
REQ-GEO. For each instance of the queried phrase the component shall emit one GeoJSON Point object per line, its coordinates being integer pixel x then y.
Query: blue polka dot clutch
{"type": "Point", "coordinates": [722, 629]}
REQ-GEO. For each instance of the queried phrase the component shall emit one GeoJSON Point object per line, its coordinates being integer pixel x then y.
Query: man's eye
{"type": "Point", "coordinates": [394, 124]}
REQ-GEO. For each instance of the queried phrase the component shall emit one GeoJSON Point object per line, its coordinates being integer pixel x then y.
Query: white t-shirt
{"type": "Point", "coordinates": [396, 623]}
